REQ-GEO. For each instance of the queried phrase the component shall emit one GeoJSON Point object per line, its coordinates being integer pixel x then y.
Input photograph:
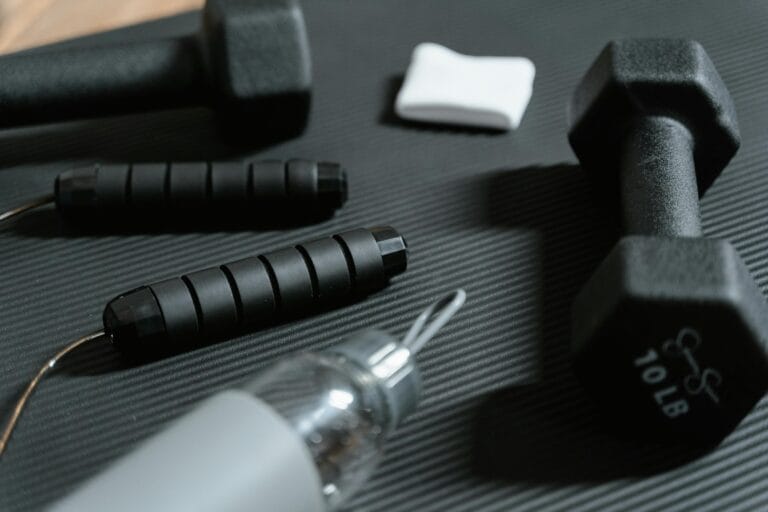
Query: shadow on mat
{"type": "Point", "coordinates": [549, 430]}
{"type": "Point", "coordinates": [47, 223]}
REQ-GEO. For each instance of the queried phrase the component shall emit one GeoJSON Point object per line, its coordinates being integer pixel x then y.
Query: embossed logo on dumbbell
{"type": "Point", "coordinates": [698, 381]}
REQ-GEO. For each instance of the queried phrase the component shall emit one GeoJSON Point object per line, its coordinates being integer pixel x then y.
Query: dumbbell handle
{"type": "Point", "coordinates": [58, 84]}
{"type": "Point", "coordinates": [303, 185]}
{"type": "Point", "coordinates": [208, 304]}
{"type": "Point", "coordinates": [659, 193]}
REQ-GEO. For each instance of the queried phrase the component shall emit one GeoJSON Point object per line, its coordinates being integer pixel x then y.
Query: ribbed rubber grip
{"type": "Point", "coordinates": [302, 184]}
{"type": "Point", "coordinates": [209, 304]}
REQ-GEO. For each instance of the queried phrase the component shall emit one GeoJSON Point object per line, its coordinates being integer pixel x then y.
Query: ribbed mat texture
{"type": "Point", "coordinates": [510, 217]}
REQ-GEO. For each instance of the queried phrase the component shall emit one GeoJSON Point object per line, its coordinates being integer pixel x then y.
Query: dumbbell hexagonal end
{"type": "Point", "coordinates": [664, 77]}
{"type": "Point", "coordinates": [260, 61]}
{"type": "Point", "coordinates": [669, 338]}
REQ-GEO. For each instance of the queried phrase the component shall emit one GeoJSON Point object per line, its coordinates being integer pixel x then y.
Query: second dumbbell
{"type": "Point", "coordinates": [670, 331]}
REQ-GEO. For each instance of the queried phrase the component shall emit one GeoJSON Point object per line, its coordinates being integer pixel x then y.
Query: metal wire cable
{"type": "Point", "coordinates": [24, 398]}
{"type": "Point", "coordinates": [40, 201]}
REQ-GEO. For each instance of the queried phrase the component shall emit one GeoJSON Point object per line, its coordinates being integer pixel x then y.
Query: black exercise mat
{"type": "Point", "coordinates": [502, 426]}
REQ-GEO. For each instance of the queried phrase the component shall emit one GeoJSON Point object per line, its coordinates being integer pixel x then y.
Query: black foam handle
{"type": "Point", "coordinates": [188, 186]}
{"type": "Point", "coordinates": [212, 303]}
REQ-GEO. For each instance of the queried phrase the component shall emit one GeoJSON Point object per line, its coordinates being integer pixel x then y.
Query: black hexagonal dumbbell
{"type": "Point", "coordinates": [669, 332]}
{"type": "Point", "coordinates": [250, 62]}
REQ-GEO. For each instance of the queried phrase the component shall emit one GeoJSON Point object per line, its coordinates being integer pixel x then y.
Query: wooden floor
{"type": "Point", "coordinates": [27, 23]}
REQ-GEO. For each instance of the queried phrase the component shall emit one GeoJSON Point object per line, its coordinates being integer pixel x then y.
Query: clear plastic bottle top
{"type": "Point", "coordinates": [343, 403]}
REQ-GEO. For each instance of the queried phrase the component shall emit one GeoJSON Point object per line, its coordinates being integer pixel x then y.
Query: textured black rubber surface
{"type": "Point", "coordinates": [248, 60]}
{"type": "Point", "coordinates": [301, 187]}
{"type": "Point", "coordinates": [503, 425]}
